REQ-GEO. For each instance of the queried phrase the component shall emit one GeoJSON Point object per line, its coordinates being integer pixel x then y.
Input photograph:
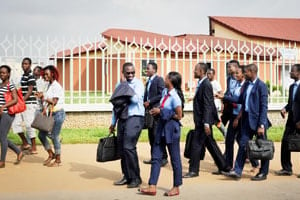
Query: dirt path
{"type": "Point", "coordinates": [81, 177]}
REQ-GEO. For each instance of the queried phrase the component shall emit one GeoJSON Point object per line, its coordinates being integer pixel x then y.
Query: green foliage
{"type": "Point", "coordinates": [84, 136]}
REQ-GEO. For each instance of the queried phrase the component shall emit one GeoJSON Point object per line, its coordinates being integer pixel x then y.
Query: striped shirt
{"type": "Point", "coordinates": [3, 90]}
{"type": "Point", "coordinates": [26, 81]}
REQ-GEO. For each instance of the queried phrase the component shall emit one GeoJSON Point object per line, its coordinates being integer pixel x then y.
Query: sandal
{"type": "Point", "coordinates": [47, 162]}
{"type": "Point", "coordinates": [2, 164]}
{"type": "Point", "coordinates": [54, 164]}
{"type": "Point", "coordinates": [19, 158]}
{"type": "Point", "coordinates": [33, 152]}
{"type": "Point", "coordinates": [172, 193]}
{"type": "Point", "coordinates": [26, 147]}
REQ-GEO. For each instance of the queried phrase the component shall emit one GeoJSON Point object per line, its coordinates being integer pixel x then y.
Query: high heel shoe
{"type": "Point", "coordinates": [146, 191]}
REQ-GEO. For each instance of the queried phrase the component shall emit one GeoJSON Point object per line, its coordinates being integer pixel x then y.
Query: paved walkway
{"type": "Point", "coordinates": [81, 177]}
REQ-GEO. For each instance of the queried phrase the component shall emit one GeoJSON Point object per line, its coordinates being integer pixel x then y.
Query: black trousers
{"type": "Point", "coordinates": [151, 137]}
{"type": "Point", "coordinates": [199, 141]}
{"type": "Point", "coordinates": [129, 131]}
{"type": "Point", "coordinates": [285, 153]}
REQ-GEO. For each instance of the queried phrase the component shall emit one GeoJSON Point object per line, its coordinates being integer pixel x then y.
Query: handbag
{"type": "Point", "coordinates": [148, 120]}
{"type": "Point", "coordinates": [43, 122]}
{"type": "Point", "coordinates": [107, 149]}
{"type": "Point", "coordinates": [260, 149]}
{"type": "Point", "coordinates": [293, 141]}
{"type": "Point", "coordinates": [20, 106]}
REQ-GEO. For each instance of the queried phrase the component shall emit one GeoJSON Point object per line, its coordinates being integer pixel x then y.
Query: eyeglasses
{"type": "Point", "coordinates": [128, 73]}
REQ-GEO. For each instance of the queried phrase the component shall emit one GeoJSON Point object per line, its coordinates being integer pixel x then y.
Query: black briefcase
{"type": "Point", "coordinates": [148, 120]}
{"type": "Point", "coordinates": [260, 149]}
{"type": "Point", "coordinates": [188, 144]}
{"type": "Point", "coordinates": [293, 141]}
{"type": "Point", "coordinates": [108, 149]}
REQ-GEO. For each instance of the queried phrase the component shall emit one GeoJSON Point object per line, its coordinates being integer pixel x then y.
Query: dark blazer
{"type": "Point", "coordinates": [167, 127]}
{"type": "Point", "coordinates": [258, 104]}
{"type": "Point", "coordinates": [121, 100]}
{"type": "Point", "coordinates": [293, 107]}
{"type": "Point", "coordinates": [203, 105]}
{"type": "Point", "coordinates": [155, 90]}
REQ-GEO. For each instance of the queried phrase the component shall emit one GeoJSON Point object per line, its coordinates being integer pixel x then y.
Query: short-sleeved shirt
{"type": "Point", "coordinates": [26, 81]}
{"type": "Point", "coordinates": [3, 90]}
{"type": "Point", "coordinates": [217, 88]}
{"type": "Point", "coordinates": [56, 91]}
{"type": "Point", "coordinates": [173, 101]}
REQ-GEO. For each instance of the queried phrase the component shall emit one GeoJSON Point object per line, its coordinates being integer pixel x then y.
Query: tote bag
{"type": "Point", "coordinates": [20, 106]}
{"type": "Point", "coordinates": [43, 122]}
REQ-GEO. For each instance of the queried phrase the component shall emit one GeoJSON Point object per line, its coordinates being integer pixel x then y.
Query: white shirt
{"type": "Point", "coordinates": [216, 89]}
{"type": "Point", "coordinates": [56, 91]}
{"type": "Point", "coordinates": [41, 85]}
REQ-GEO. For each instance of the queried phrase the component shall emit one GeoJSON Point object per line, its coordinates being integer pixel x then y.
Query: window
{"type": "Point", "coordinates": [144, 66]}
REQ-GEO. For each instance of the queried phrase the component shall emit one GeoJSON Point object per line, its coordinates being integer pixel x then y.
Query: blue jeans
{"type": "Point", "coordinates": [59, 118]}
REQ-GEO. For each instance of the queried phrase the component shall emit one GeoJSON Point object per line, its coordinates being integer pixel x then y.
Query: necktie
{"type": "Point", "coordinates": [164, 100]}
{"type": "Point", "coordinates": [148, 85]}
{"type": "Point", "coordinates": [294, 90]}
{"type": "Point", "coordinates": [197, 88]}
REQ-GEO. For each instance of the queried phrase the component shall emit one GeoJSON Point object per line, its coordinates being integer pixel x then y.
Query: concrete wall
{"type": "Point", "coordinates": [103, 119]}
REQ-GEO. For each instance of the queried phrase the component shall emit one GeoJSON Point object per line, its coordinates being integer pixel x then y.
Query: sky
{"type": "Point", "coordinates": [88, 18]}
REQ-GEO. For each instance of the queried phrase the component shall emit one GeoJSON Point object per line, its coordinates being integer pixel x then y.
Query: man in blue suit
{"type": "Point", "coordinates": [254, 100]}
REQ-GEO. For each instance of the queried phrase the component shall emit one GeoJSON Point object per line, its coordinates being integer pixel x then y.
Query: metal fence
{"type": "Point", "coordinates": [90, 68]}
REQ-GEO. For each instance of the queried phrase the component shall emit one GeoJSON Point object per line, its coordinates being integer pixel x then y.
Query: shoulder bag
{"type": "Point", "coordinates": [43, 122]}
{"type": "Point", "coordinates": [20, 106]}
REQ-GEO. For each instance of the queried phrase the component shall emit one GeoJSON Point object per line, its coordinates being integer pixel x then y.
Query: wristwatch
{"type": "Point", "coordinates": [262, 126]}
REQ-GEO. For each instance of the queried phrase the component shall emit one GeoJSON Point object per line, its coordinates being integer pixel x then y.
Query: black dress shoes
{"type": "Point", "coordinates": [134, 183]}
{"type": "Point", "coordinates": [218, 172]}
{"type": "Point", "coordinates": [123, 181]}
{"type": "Point", "coordinates": [148, 162]}
{"type": "Point", "coordinates": [232, 174]}
{"type": "Point", "coordinates": [283, 172]}
{"type": "Point", "coordinates": [190, 175]}
{"type": "Point", "coordinates": [259, 177]}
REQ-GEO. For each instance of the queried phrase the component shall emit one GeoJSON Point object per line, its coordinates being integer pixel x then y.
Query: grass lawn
{"type": "Point", "coordinates": [77, 136]}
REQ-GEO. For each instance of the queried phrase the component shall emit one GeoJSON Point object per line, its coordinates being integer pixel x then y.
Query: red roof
{"type": "Point", "coordinates": [275, 28]}
{"type": "Point", "coordinates": [84, 48]}
{"type": "Point", "coordinates": [179, 43]}
{"type": "Point", "coordinates": [188, 42]}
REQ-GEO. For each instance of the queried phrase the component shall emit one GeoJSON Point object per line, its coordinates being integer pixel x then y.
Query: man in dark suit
{"type": "Point", "coordinates": [254, 100]}
{"type": "Point", "coordinates": [152, 97]}
{"type": "Point", "coordinates": [293, 121]}
{"type": "Point", "coordinates": [205, 115]}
